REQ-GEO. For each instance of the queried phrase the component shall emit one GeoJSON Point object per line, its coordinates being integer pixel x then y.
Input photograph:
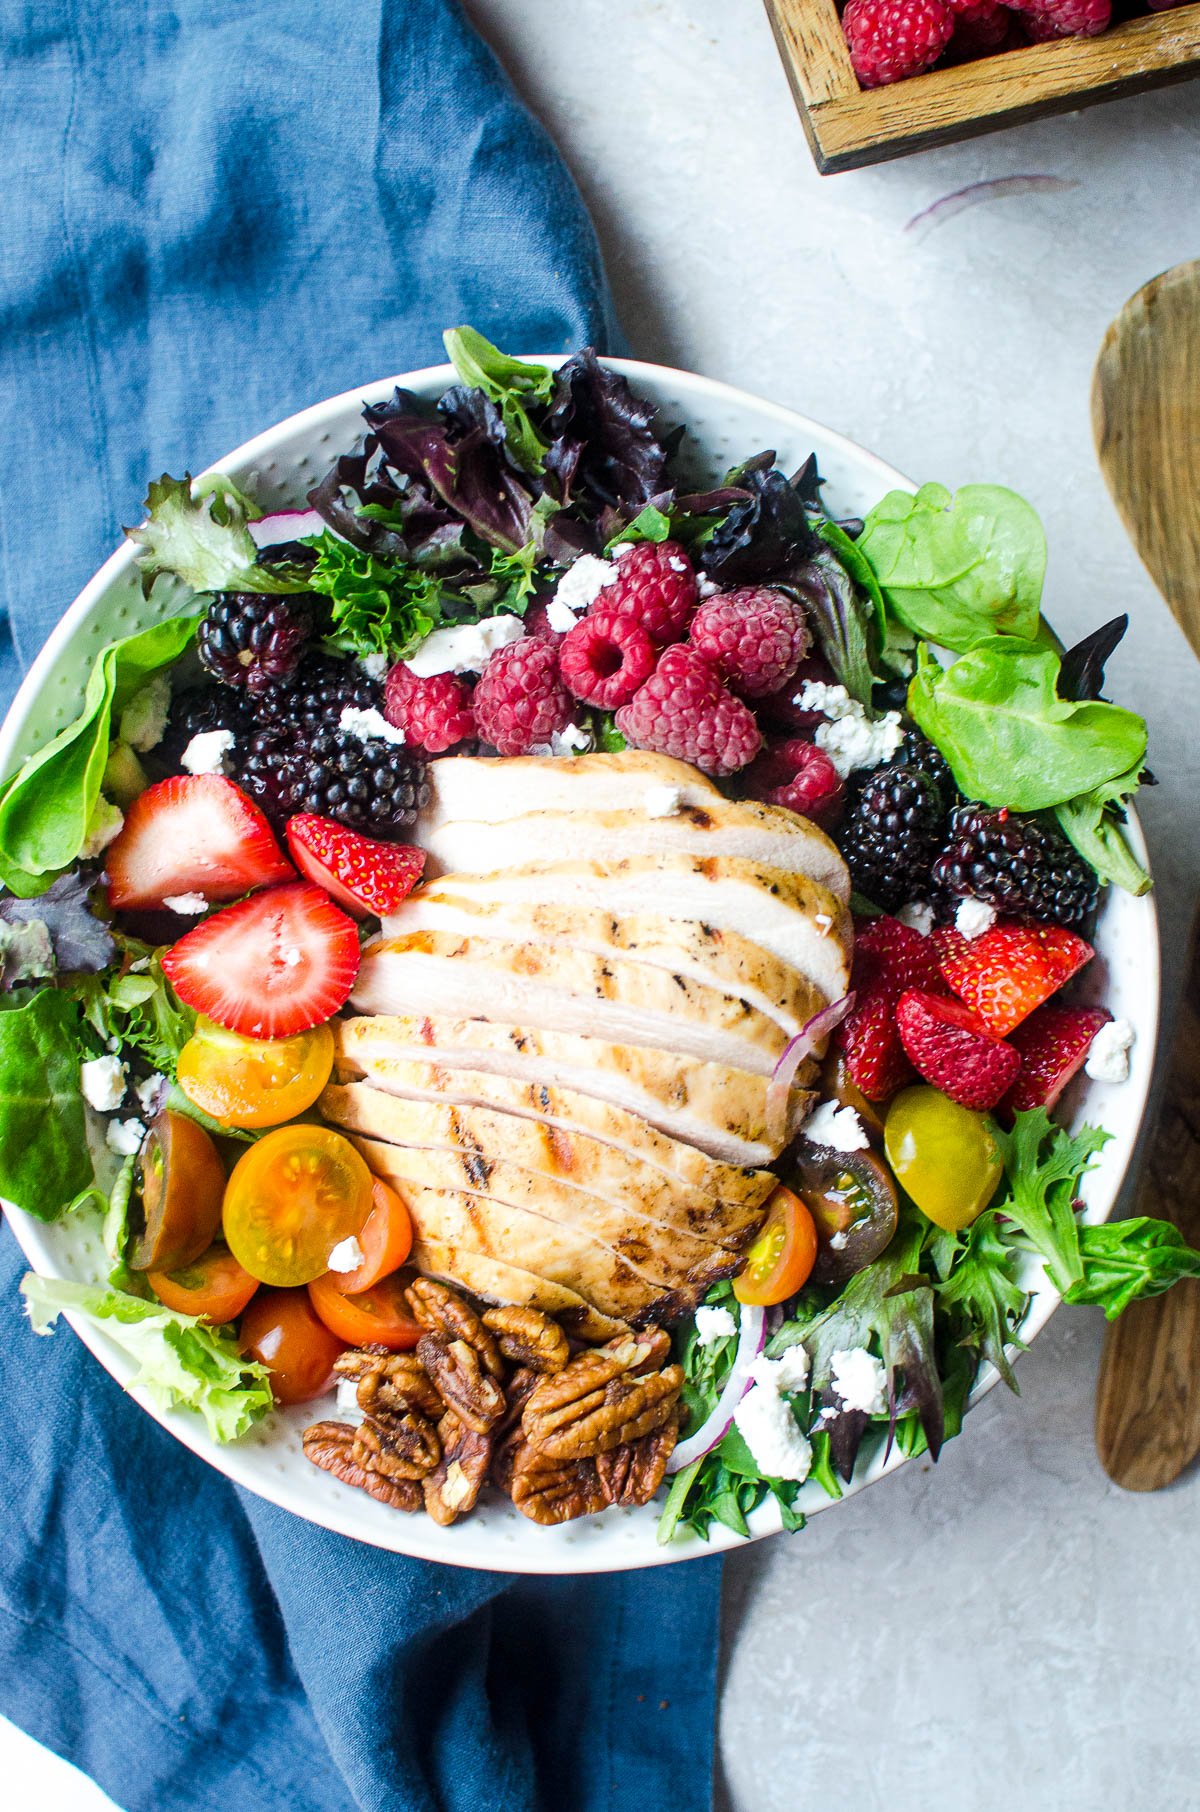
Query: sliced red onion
{"type": "Point", "coordinates": [779, 1089]}
{"type": "Point", "coordinates": [285, 525]}
{"type": "Point", "coordinates": [752, 1337]}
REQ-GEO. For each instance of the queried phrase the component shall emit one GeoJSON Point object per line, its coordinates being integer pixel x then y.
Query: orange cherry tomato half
{"type": "Point", "coordinates": [782, 1256]}
{"type": "Point", "coordinates": [280, 1330]}
{"type": "Point", "coordinates": [214, 1287]}
{"type": "Point", "coordinates": [298, 1192]}
{"type": "Point", "coordinates": [254, 1081]}
{"type": "Point", "coordinates": [386, 1241]}
{"type": "Point", "coordinates": [376, 1317]}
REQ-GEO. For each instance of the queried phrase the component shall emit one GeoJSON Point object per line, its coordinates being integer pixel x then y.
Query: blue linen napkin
{"type": "Point", "coordinates": [213, 214]}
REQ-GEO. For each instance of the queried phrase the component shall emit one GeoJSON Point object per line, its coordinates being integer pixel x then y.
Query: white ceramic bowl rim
{"type": "Point", "coordinates": [619, 1539]}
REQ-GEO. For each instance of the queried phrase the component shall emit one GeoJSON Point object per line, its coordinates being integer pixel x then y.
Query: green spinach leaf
{"type": "Point", "coordinates": [44, 1161]}
{"type": "Point", "coordinates": [1124, 1260]}
{"type": "Point", "coordinates": [955, 570]}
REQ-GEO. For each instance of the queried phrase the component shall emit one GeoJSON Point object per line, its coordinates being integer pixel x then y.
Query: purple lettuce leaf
{"type": "Point", "coordinates": [604, 447]}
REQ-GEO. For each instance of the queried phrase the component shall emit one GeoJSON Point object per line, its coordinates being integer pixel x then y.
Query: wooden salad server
{"type": "Point", "coordinates": [1146, 422]}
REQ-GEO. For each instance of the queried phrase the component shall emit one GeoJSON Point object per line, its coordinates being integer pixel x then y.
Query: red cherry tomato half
{"type": "Point", "coordinates": [376, 1317]}
{"type": "Point", "coordinates": [386, 1241]}
{"type": "Point", "coordinates": [282, 1332]}
{"type": "Point", "coordinates": [214, 1287]}
{"type": "Point", "coordinates": [782, 1256]}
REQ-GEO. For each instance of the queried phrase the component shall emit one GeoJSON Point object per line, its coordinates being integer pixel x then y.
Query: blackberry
{"type": "Point", "coordinates": [314, 697]}
{"type": "Point", "coordinates": [372, 786]}
{"type": "Point", "coordinates": [1021, 867]}
{"type": "Point", "coordinates": [916, 751]}
{"type": "Point", "coordinates": [251, 640]}
{"type": "Point", "coordinates": [891, 835]}
{"type": "Point", "coordinates": [197, 710]}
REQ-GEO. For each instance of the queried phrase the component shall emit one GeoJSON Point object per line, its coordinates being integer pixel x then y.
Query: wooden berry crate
{"type": "Point", "coordinates": [848, 126]}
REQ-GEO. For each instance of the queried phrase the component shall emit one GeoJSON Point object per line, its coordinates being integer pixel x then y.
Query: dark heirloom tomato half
{"type": "Point", "coordinates": [281, 1331]}
{"type": "Point", "coordinates": [852, 1199]}
{"type": "Point", "coordinates": [178, 1185]}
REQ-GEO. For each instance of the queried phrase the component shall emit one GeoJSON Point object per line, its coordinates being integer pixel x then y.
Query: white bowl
{"type": "Point", "coordinates": [725, 426]}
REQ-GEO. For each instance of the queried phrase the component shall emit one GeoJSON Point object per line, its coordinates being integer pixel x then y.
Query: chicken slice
{"type": "Point", "coordinates": [798, 920]}
{"type": "Point", "coordinates": [721, 1111]}
{"type": "Point", "coordinates": [566, 990]}
{"type": "Point", "coordinates": [557, 1113]}
{"type": "Point", "coordinates": [764, 834]}
{"type": "Point", "coordinates": [496, 1282]}
{"type": "Point", "coordinates": [481, 1142]}
{"type": "Point", "coordinates": [492, 788]}
{"type": "Point", "coordinates": [718, 959]}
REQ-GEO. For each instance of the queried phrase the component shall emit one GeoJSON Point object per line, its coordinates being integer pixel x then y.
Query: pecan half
{"type": "Point", "coordinates": [406, 1447]}
{"type": "Point", "coordinates": [453, 1486]}
{"type": "Point", "coordinates": [527, 1337]}
{"type": "Point", "coordinates": [329, 1445]}
{"type": "Point", "coordinates": [462, 1383]}
{"type": "Point", "coordinates": [632, 1473]}
{"type": "Point", "coordinates": [597, 1403]}
{"type": "Point", "coordinates": [390, 1382]}
{"type": "Point", "coordinates": [555, 1491]}
{"type": "Point", "coordinates": [447, 1316]}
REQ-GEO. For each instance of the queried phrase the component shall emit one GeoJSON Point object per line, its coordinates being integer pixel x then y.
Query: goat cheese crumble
{"type": "Point", "coordinates": [206, 752]}
{"type": "Point", "coordinates": [124, 1137]}
{"type": "Point", "coordinates": [147, 1093]}
{"type": "Point", "coordinates": [347, 1255]}
{"type": "Point", "coordinates": [187, 905]}
{"type": "Point", "coordinates": [766, 1422]}
{"type": "Point", "coordinates": [974, 917]}
{"type": "Point", "coordinates": [582, 583]}
{"type": "Point", "coordinates": [838, 1127]}
{"type": "Point", "coordinates": [348, 1407]}
{"type": "Point", "coordinates": [849, 737]}
{"type": "Point", "coordinates": [144, 719]}
{"type": "Point", "coordinates": [102, 1080]}
{"type": "Point", "coordinates": [713, 1325]}
{"type": "Point", "coordinates": [1108, 1053]}
{"type": "Point", "coordinates": [369, 725]}
{"type": "Point", "coordinates": [464, 647]}
{"type": "Point", "coordinates": [375, 665]}
{"type": "Point", "coordinates": [788, 1372]}
{"type": "Point", "coordinates": [707, 588]}
{"type": "Point", "coordinates": [918, 916]}
{"type": "Point", "coordinates": [662, 801]}
{"type": "Point", "coordinates": [860, 1380]}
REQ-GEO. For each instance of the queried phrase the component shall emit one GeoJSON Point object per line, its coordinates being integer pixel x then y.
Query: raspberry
{"type": "Point", "coordinates": [606, 658]}
{"type": "Point", "coordinates": [656, 585]}
{"type": "Point", "coordinates": [892, 39]}
{"type": "Point", "coordinates": [757, 637]}
{"type": "Point", "coordinates": [1064, 18]}
{"type": "Point", "coordinates": [802, 777]}
{"type": "Point", "coordinates": [434, 713]}
{"type": "Point", "coordinates": [980, 27]}
{"type": "Point", "coordinates": [685, 711]}
{"type": "Point", "coordinates": [520, 700]}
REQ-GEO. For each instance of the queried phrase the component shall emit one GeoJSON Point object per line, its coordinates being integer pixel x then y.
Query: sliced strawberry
{"type": "Point", "coordinates": [951, 1047]}
{"type": "Point", "coordinates": [888, 958]}
{"type": "Point", "coordinates": [362, 875]}
{"type": "Point", "coordinates": [196, 833]}
{"type": "Point", "coordinates": [276, 964]}
{"type": "Point", "coordinates": [1012, 969]}
{"type": "Point", "coordinates": [1052, 1044]}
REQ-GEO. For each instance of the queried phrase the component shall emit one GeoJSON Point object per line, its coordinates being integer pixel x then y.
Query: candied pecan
{"type": "Point", "coordinates": [632, 1473]}
{"type": "Point", "coordinates": [526, 1337]}
{"type": "Point", "coordinates": [395, 1383]}
{"type": "Point", "coordinates": [405, 1447]}
{"type": "Point", "coordinates": [597, 1403]}
{"type": "Point", "coordinates": [448, 1317]}
{"type": "Point", "coordinates": [517, 1393]}
{"type": "Point", "coordinates": [330, 1445]}
{"type": "Point", "coordinates": [454, 1484]}
{"type": "Point", "coordinates": [555, 1491]}
{"type": "Point", "coordinates": [461, 1381]}
{"type": "Point", "coordinates": [643, 1351]}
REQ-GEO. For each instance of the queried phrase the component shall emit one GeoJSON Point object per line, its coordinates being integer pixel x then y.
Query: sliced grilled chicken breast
{"type": "Point", "coordinates": [563, 1254]}
{"type": "Point", "coordinates": [497, 1282]}
{"type": "Point", "coordinates": [482, 1141]}
{"type": "Point", "coordinates": [491, 788]}
{"type": "Point", "coordinates": [698, 952]}
{"type": "Point", "coordinates": [558, 1114]}
{"type": "Point", "coordinates": [764, 834]}
{"type": "Point", "coordinates": [723, 1112]}
{"type": "Point", "coordinates": [566, 990]}
{"type": "Point", "coordinates": [798, 920]}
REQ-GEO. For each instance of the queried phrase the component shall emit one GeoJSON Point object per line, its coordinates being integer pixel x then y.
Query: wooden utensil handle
{"type": "Point", "coordinates": [1148, 1397]}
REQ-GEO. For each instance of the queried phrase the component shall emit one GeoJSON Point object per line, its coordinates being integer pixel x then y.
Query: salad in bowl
{"type": "Point", "coordinates": [549, 977]}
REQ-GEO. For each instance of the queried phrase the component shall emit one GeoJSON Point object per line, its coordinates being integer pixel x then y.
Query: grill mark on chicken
{"type": "Point", "coordinates": [696, 814]}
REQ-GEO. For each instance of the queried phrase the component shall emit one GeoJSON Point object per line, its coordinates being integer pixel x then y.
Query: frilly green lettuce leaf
{"type": "Point", "coordinates": [198, 532]}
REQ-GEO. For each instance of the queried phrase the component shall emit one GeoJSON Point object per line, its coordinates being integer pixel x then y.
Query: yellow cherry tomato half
{"type": "Point", "coordinates": [254, 1081]}
{"type": "Point", "coordinates": [782, 1256]}
{"type": "Point", "coordinates": [295, 1195]}
{"type": "Point", "coordinates": [945, 1156]}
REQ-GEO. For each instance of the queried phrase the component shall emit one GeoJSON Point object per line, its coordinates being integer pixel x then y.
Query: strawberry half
{"type": "Point", "coordinates": [888, 958]}
{"type": "Point", "coordinates": [951, 1047]}
{"type": "Point", "coordinates": [281, 962]}
{"type": "Point", "coordinates": [1052, 1044]}
{"type": "Point", "coordinates": [1012, 969]}
{"type": "Point", "coordinates": [362, 875]}
{"type": "Point", "coordinates": [196, 833]}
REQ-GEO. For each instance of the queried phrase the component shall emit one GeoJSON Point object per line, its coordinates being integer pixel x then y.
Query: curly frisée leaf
{"type": "Point", "coordinates": [182, 1363]}
{"type": "Point", "coordinates": [198, 532]}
